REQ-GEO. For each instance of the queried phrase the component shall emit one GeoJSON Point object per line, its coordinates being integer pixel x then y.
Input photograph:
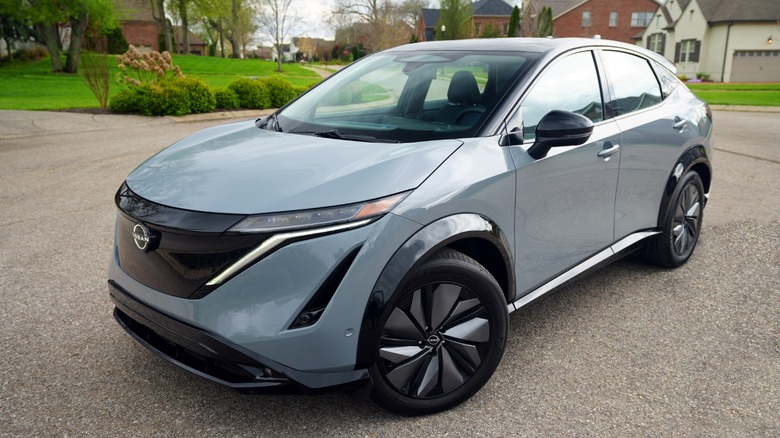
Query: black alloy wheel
{"type": "Point", "coordinates": [674, 246]}
{"type": "Point", "coordinates": [442, 338]}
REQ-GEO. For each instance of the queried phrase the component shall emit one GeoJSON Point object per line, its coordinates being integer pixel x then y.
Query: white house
{"type": "Point", "coordinates": [724, 40]}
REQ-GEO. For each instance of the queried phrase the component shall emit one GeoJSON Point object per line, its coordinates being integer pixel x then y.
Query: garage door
{"type": "Point", "coordinates": [756, 66]}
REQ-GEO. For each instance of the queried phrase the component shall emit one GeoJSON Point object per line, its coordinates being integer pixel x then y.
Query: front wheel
{"type": "Point", "coordinates": [682, 224]}
{"type": "Point", "coordinates": [442, 338]}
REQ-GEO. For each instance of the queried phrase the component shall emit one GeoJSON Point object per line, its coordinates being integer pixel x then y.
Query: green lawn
{"type": "Point", "coordinates": [738, 94]}
{"type": "Point", "coordinates": [32, 86]}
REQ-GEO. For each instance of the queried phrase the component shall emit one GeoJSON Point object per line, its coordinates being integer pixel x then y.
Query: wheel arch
{"type": "Point", "coordinates": [694, 158]}
{"type": "Point", "coordinates": [471, 234]}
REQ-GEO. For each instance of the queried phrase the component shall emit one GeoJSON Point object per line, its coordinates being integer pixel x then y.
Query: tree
{"type": "Point", "coordinates": [233, 19]}
{"type": "Point", "coordinates": [387, 21]}
{"type": "Point", "coordinates": [514, 23]}
{"type": "Point", "coordinates": [48, 17]}
{"type": "Point", "coordinates": [181, 11]}
{"type": "Point", "coordinates": [491, 31]}
{"type": "Point", "coordinates": [275, 21]}
{"type": "Point", "coordinates": [455, 16]}
{"type": "Point", "coordinates": [158, 12]}
{"type": "Point", "coordinates": [544, 23]}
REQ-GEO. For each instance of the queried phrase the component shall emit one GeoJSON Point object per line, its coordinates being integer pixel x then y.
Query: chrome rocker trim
{"type": "Point", "coordinates": [616, 248]}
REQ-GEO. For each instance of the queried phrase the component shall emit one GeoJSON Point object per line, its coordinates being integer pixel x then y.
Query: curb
{"type": "Point", "coordinates": [746, 108]}
{"type": "Point", "coordinates": [222, 115]}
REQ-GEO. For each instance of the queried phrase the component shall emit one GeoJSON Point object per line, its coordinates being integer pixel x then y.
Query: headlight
{"type": "Point", "coordinates": [289, 227]}
{"type": "Point", "coordinates": [273, 223]}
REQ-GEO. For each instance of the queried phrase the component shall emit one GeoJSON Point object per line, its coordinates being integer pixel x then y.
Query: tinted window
{"type": "Point", "coordinates": [668, 80]}
{"type": "Point", "coordinates": [633, 82]}
{"type": "Point", "coordinates": [571, 84]}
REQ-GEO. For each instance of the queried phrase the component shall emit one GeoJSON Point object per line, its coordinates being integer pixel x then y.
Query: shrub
{"type": "Point", "coordinates": [226, 98]}
{"type": "Point", "coordinates": [199, 97]}
{"type": "Point", "coordinates": [32, 54]}
{"type": "Point", "coordinates": [280, 91]}
{"type": "Point", "coordinates": [130, 100]}
{"type": "Point", "coordinates": [251, 93]}
{"type": "Point", "coordinates": [116, 41]}
{"type": "Point", "coordinates": [172, 97]}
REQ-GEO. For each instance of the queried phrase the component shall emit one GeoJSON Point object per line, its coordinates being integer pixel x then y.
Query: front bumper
{"type": "Point", "coordinates": [218, 360]}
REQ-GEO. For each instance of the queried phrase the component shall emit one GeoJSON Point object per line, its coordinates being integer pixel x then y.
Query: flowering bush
{"type": "Point", "coordinates": [136, 68]}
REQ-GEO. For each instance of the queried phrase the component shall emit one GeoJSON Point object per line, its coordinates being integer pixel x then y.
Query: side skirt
{"type": "Point", "coordinates": [589, 264]}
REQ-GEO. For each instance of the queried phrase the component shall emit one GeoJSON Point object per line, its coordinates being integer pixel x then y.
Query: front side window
{"type": "Point", "coordinates": [406, 96]}
{"type": "Point", "coordinates": [641, 19]}
{"type": "Point", "coordinates": [633, 82]}
{"type": "Point", "coordinates": [571, 84]}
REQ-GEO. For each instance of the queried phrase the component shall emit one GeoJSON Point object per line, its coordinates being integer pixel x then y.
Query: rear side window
{"type": "Point", "coordinates": [633, 82]}
{"type": "Point", "coordinates": [571, 84]}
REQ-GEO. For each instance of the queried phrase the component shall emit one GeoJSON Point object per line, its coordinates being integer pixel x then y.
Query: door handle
{"type": "Point", "coordinates": [679, 123]}
{"type": "Point", "coordinates": [608, 151]}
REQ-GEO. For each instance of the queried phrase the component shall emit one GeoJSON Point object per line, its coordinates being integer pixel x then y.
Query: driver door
{"type": "Point", "coordinates": [565, 202]}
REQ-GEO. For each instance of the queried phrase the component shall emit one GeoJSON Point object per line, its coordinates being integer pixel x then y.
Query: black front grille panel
{"type": "Point", "coordinates": [176, 262]}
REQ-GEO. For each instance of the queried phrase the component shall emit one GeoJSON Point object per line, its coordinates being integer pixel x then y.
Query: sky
{"type": "Point", "coordinates": [314, 14]}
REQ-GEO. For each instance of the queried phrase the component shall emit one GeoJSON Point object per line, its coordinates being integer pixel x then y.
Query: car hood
{"type": "Point", "coordinates": [240, 169]}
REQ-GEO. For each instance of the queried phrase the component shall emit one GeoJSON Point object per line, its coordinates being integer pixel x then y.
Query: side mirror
{"type": "Point", "coordinates": [262, 122]}
{"type": "Point", "coordinates": [560, 128]}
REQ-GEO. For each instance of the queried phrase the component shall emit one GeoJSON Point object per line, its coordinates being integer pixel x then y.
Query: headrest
{"type": "Point", "coordinates": [463, 89]}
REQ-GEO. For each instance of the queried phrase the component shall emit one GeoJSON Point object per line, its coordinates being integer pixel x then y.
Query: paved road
{"type": "Point", "coordinates": [631, 350]}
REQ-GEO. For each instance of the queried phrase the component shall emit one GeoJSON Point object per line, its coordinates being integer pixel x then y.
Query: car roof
{"type": "Point", "coordinates": [546, 46]}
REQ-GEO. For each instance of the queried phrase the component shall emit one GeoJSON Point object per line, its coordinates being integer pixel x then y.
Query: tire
{"type": "Point", "coordinates": [443, 335]}
{"type": "Point", "coordinates": [681, 226]}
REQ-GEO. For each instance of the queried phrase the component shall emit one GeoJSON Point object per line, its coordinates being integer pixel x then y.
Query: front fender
{"type": "Point", "coordinates": [448, 231]}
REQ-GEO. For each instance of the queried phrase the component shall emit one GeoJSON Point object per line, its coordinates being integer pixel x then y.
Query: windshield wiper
{"type": "Point", "coordinates": [334, 133]}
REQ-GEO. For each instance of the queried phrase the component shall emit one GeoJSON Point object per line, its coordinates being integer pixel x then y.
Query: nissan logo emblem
{"type": "Point", "coordinates": [141, 236]}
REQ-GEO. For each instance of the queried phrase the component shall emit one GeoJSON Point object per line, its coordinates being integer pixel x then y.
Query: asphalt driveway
{"type": "Point", "coordinates": [631, 350]}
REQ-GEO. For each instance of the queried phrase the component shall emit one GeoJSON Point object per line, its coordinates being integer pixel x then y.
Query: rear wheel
{"type": "Point", "coordinates": [443, 337]}
{"type": "Point", "coordinates": [682, 224]}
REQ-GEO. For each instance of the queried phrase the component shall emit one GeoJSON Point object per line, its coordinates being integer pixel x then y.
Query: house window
{"type": "Point", "coordinates": [505, 29]}
{"type": "Point", "coordinates": [613, 19]}
{"type": "Point", "coordinates": [641, 19]}
{"type": "Point", "coordinates": [477, 29]}
{"type": "Point", "coordinates": [687, 51]}
{"type": "Point", "coordinates": [656, 43]}
{"type": "Point", "coordinates": [585, 18]}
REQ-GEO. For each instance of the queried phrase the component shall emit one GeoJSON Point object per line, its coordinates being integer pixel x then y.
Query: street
{"type": "Point", "coordinates": [630, 350]}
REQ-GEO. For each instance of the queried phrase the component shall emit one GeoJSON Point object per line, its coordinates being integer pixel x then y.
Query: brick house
{"type": "Point", "coordinates": [487, 13]}
{"type": "Point", "coordinates": [622, 20]}
{"type": "Point", "coordinates": [140, 28]}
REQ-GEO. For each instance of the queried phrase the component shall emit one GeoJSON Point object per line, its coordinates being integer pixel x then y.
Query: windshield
{"type": "Point", "coordinates": [406, 97]}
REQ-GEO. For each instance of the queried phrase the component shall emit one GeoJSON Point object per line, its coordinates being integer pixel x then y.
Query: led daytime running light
{"type": "Point", "coordinates": [272, 223]}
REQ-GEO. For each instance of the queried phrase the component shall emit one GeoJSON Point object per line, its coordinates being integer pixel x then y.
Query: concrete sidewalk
{"type": "Point", "coordinates": [15, 124]}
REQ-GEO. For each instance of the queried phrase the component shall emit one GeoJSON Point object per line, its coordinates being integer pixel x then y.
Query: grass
{"type": "Point", "coordinates": [737, 94]}
{"type": "Point", "coordinates": [32, 86]}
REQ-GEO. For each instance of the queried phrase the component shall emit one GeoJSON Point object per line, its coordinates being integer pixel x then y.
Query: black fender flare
{"type": "Point", "coordinates": [693, 157]}
{"type": "Point", "coordinates": [414, 252]}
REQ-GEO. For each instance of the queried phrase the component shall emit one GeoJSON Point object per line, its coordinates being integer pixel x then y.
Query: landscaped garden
{"type": "Point", "coordinates": [32, 85]}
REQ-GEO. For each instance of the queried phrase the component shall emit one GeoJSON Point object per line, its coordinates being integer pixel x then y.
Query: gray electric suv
{"type": "Point", "coordinates": [374, 234]}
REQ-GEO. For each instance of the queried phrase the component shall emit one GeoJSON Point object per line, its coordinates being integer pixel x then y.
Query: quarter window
{"type": "Point", "coordinates": [632, 81]}
{"type": "Point", "coordinates": [572, 84]}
